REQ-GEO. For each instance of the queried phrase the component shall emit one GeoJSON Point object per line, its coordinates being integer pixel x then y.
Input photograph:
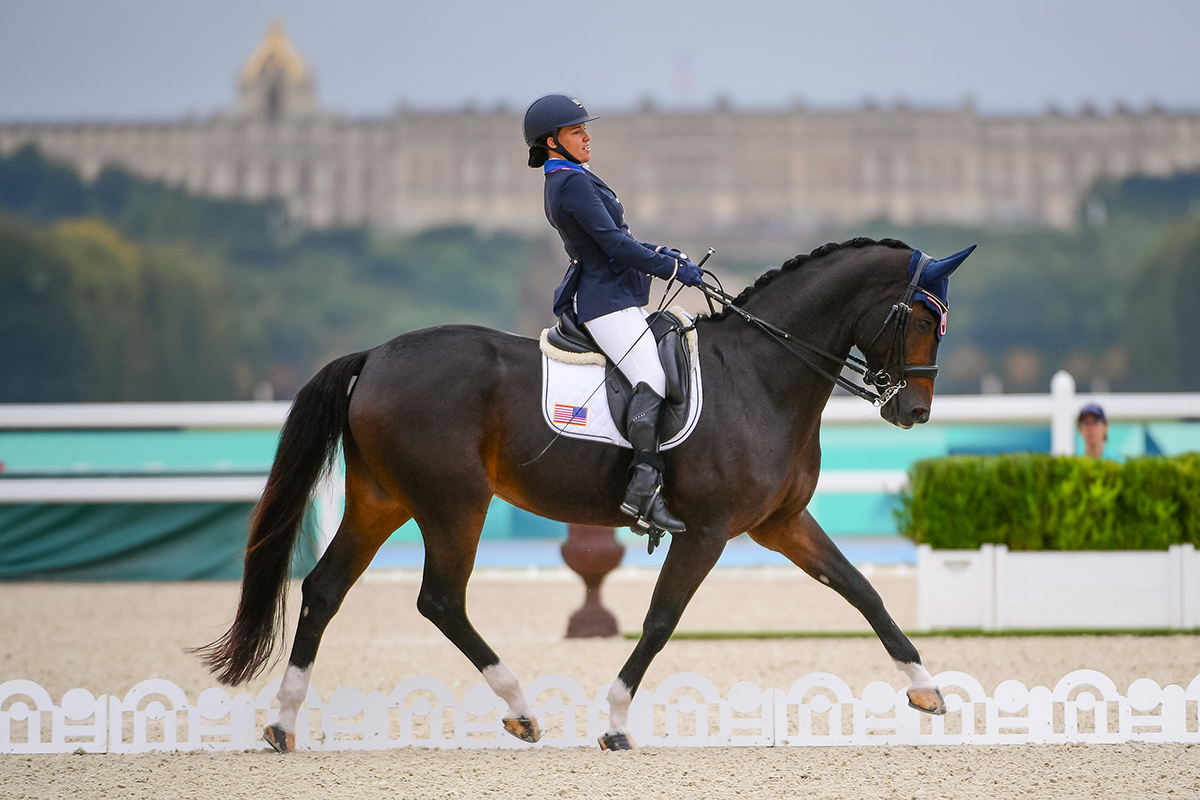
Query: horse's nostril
{"type": "Point", "coordinates": [921, 414]}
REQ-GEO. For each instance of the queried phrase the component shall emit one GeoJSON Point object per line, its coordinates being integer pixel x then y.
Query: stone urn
{"type": "Point", "coordinates": [592, 551]}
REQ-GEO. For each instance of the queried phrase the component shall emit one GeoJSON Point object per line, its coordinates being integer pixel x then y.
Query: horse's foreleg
{"type": "Point", "coordinates": [803, 541]}
{"type": "Point", "coordinates": [689, 560]}
{"type": "Point", "coordinates": [450, 546]}
{"type": "Point", "coordinates": [365, 526]}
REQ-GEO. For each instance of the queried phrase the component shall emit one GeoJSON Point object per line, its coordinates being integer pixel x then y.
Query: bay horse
{"type": "Point", "coordinates": [435, 422]}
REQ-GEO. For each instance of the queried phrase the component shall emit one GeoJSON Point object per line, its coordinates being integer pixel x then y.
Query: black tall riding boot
{"type": "Point", "coordinates": [643, 498]}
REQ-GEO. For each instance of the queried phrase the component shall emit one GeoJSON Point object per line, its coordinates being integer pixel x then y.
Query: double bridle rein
{"type": "Point", "coordinates": [887, 381]}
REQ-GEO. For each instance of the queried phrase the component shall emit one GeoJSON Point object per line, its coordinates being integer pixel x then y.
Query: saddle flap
{"type": "Point", "coordinates": [667, 330]}
{"type": "Point", "coordinates": [619, 390]}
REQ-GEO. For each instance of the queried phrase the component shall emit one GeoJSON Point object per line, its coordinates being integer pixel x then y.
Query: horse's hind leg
{"type": "Point", "coordinates": [451, 532]}
{"type": "Point", "coordinates": [803, 541]}
{"type": "Point", "coordinates": [369, 519]}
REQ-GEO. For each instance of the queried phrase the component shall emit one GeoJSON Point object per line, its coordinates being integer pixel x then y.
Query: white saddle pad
{"type": "Point", "coordinates": [575, 402]}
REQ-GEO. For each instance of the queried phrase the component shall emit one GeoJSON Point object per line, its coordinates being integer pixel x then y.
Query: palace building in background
{"type": "Point", "coordinates": [721, 174]}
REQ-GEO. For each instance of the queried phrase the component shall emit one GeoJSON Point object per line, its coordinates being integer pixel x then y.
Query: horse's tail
{"type": "Point", "coordinates": [307, 448]}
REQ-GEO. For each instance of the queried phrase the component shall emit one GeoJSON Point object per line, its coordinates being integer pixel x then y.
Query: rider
{"type": "Point", "coordinates": [607, 284]}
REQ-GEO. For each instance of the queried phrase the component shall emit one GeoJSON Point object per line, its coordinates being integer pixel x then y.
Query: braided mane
{"type": "Point", "coordinates": [795, 263]}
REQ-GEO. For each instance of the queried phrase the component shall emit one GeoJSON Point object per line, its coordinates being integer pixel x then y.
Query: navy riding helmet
{"type": "Point", "coordinates": [547, 115]}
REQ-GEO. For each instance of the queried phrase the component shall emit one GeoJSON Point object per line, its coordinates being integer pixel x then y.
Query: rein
{"type": "Point", "coordinates": [887, 382]}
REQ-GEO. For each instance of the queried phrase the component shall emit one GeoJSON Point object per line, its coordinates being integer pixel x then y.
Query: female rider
{"type": "Point", "coordinates": [607, 284]}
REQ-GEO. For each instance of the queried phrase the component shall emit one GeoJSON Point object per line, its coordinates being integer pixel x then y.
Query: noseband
{"type": "Point", "coordinates": [887, 381]}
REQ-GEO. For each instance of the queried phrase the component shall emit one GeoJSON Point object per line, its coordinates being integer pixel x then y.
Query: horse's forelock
{"type": "Point", "coordinates": [792, 264]}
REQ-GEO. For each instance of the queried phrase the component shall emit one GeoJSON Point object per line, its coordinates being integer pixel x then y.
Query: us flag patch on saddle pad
{"type": "Point", "coordinates": [570, 415]}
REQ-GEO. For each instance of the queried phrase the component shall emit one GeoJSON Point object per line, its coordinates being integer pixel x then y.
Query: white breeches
{"type": "Point", "coordinates": [619, 331]}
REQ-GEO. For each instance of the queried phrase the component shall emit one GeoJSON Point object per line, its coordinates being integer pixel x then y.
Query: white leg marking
{"type": "Point", "coordinates": [920, 677]}
{"type": "Point", "coordinates": [291, 694]}
{"type": "Point", "coordinates": [619, 699]}
{"type": "Point", "coordinates": [506, 686]}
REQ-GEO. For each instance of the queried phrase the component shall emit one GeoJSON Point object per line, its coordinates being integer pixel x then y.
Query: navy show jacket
{"type": "Point", "coordinates": [610, 270]}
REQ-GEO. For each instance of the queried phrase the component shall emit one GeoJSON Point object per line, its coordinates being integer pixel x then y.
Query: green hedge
{"type": "Point", "coordinates": [1033, 501]}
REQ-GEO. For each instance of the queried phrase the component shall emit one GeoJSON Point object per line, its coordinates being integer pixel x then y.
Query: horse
{"type": "Point", "coordinates": [434, 423]}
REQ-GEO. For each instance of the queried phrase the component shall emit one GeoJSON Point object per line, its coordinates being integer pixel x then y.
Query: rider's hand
{"type": "Point", "coordinates": [688, 273]}
{"type": "Point", "coordinates": [672, 252]}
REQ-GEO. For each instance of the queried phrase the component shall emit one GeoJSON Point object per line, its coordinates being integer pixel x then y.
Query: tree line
{"type": "Point", "coordinates": [128, 289]}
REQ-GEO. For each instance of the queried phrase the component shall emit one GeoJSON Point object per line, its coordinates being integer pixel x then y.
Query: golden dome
{"type": "Point", "coordinates": [274, 54]}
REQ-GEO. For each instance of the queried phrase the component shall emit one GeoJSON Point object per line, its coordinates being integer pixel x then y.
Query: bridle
{"type": "Point", "coordinates": [886, 382]}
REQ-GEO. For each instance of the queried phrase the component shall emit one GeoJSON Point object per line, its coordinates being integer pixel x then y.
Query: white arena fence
{"type": "Point", "coordinates": [686, 710]}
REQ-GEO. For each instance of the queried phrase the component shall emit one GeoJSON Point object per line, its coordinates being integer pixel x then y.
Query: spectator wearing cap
{"type": "Point", "coordinates": [1093, 426]}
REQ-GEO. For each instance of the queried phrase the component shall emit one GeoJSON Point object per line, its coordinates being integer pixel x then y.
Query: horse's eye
{"type": "Point", "coordinates": [924, 325]}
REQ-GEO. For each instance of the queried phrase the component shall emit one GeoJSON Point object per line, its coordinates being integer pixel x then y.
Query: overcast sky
{"type": "Point", "coordinates": [105, 59]}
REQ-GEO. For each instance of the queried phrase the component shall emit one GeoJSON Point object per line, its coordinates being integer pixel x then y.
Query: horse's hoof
{"type": "Point", "coordinates": [616, 741]}
{"type": "Point", "coordinates": [281, 740]}
{"type": "Point", "coordinates": [928, 700]}
{"type": "Point", "coordinates": [524, 728]}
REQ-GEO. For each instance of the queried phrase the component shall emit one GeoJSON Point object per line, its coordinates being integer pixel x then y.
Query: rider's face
{"type": "Point", "coordinates": [577, 142]}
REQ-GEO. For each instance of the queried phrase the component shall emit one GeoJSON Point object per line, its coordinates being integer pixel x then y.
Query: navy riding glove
{"type": "Point", "coordinates": [689, 274]}
{"type": "Point", "coordinates": [672, 252]}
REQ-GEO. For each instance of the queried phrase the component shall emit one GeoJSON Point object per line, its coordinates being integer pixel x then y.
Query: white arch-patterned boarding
{"type": "Point", "coordinates": [686, 710]}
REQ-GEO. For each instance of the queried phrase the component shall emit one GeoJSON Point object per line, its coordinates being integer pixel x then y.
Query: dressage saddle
{"type": "Point", "coordinates": [668, 332]}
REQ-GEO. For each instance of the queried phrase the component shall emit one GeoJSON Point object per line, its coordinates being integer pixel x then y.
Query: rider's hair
{"type": "Point", "coordinates": [538, 155]}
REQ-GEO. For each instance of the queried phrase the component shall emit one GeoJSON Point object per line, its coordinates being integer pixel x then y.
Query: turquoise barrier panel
{"type": "Point", "coordinates": [877, 447]}
{"type": "Point", "coordinates": [503, 521]}
{"type": "Point", "coordinates": [1173, 438]}
{"type": "Point", "coordinates": [889, 448]}
{"type": "Point", "coordinates": [132, 542]}
{"type": "Point", "coordinates": [207, 540]}
{"type": "Point", "coordinates": [855, 513]}
{"type": "Point", "coordinates": [979, 440]}
{"type": "Point", "coordinates": [142, 452]}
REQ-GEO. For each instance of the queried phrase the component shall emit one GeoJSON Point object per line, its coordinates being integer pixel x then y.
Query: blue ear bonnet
{"type": "Point", "coordinates": [935, 281]}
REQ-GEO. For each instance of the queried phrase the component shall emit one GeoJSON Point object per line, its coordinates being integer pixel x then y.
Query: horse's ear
{"type": "Point", "coordinates": [940, 268]}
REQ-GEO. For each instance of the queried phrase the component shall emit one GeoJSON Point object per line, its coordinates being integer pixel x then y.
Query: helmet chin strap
{"type": "Point", "coordinates": [562, 151]}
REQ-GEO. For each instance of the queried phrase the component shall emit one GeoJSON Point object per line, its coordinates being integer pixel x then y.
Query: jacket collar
{"type": "Point", "coordinates": [556, 164]}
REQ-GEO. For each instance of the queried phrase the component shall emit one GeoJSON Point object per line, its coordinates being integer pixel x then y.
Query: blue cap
{"type": "Point", "coordinates": [1094, 410]}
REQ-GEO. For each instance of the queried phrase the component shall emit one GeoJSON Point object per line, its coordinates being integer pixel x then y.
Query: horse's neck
{"type": "Point", "coordinates": [816, 304]}
{"type": "Point", "coordinates": [818, 298]}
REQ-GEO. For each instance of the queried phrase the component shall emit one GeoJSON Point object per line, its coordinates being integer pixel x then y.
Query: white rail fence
{"type": "Point", "coordinates": [686, 710]}
{"type": "Point", "coordinates": [1058, 408]}
{"type": "Point", "coordinates": [137, 416]}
